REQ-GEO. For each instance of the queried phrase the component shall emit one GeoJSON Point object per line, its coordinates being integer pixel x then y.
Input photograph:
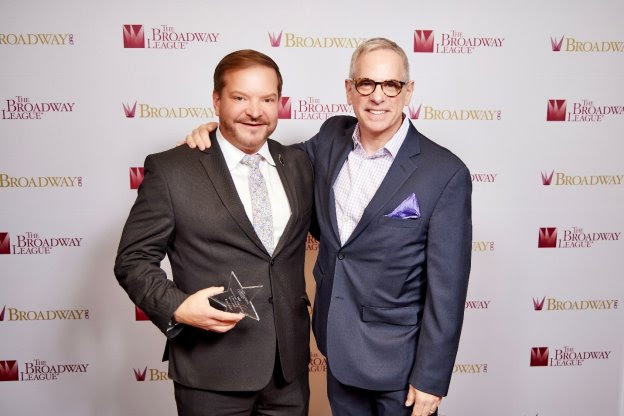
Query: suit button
{"type": "Point", "coordinates": [271, 299]}
{"type": "Point", "coordinates": [272, 262]}
{"type": "Point", "coordinates": [341, 256]}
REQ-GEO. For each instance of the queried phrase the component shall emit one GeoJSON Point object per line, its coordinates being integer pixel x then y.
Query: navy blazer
{"type": "Point", "coordinates": [390, 302]}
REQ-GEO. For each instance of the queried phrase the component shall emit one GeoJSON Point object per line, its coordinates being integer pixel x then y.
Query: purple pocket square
{"type": "Point", "coordinates": [408, 209]}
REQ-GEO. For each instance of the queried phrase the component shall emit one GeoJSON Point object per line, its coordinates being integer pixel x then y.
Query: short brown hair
{"type": "Point", "coordinates": [245, 58]}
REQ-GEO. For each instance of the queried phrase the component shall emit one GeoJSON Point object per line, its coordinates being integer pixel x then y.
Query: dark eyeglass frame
{"type": "Point", "coordinates": [357, 83]}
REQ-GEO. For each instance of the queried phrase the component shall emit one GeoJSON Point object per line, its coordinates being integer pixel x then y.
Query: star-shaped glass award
{"type": "Point", "coordinates": [237, 299]}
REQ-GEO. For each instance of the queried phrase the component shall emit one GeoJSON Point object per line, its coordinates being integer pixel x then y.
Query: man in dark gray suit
{"type": "Point", "coordinates": [244, 205]}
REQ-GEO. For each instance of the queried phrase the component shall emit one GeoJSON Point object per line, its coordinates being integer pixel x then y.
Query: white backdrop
{"type": "Point", "coordinates": [68, 332]}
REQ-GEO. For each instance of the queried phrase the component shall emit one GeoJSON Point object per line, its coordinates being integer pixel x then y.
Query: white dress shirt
{"type": "Point", "coordinates": [280, 207]}
{"type": "Point", "coordinates": [360, 178]}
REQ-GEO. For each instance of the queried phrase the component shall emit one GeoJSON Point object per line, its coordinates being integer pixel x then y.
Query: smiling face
{"type": "Point", "coordinates": [379, 116]}
{"type": "Point", "coordinates": [247, 107]}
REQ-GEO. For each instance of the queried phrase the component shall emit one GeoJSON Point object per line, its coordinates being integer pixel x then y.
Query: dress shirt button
{"type": "Point", "coordinates": [341, 256]}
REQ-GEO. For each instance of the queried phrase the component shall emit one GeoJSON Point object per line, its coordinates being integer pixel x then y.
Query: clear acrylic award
{"type": "Point", "coordinates": [236, 298]}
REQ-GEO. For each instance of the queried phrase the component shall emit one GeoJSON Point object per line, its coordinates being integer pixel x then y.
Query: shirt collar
{"type": "Point", "coordinates": [393, 145]}
{"type": "Point", "coordinates": [233, 155]}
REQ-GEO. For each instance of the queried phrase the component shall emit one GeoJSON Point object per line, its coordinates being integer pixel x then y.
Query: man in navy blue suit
{"type": "Point", "coordinates": [394, 214]}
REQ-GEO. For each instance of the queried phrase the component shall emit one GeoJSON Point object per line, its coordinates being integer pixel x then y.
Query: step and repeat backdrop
{"type": "Point", "coordinates": [529, 95]}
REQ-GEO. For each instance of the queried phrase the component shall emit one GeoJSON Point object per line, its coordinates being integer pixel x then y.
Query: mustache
{"type": "Point", "coordinates": [248, 120]}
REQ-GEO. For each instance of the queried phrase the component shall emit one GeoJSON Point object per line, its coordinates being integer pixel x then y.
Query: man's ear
{"type": "Point", "coordinates": [348, 90]}
{"type": "Point", "coordinates": [409, 90]}
{"type": "Point", "coordinates": [216, 102]}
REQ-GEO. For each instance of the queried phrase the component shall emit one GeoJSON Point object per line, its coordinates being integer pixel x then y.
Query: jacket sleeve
{"type": "Point", "coordinates": [148, 231]}
{"type": "Point", "coordinates": [449, 244]}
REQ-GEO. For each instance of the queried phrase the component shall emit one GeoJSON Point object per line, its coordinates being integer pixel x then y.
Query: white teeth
{"type": "Point", "coordinates": [377, 112]}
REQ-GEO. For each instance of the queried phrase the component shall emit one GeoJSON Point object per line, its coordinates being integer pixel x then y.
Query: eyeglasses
{"type": "Point", "coordinates": [390, 87]}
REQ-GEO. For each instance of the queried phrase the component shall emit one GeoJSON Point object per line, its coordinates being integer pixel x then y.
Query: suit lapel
{"type": "Point", "coordinates": [213, 162]}
{"type": "Point", "coordinates": [281, 165]}
{"type": "Point", "coordinates": [341, 147]}
{"type": "Point", "coordinates": [401, 169]}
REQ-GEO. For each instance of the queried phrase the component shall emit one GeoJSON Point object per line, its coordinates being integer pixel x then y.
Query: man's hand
{"type": "Point", "coordinates": [199, 136]}
{"type": "Point", "coordinates": [196, 311]}
{"type": "Point", "coordinates": [425, 404]}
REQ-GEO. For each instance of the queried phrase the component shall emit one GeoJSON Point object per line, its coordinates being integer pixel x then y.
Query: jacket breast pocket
{"type": "Point", "coordinates": [400, 222]}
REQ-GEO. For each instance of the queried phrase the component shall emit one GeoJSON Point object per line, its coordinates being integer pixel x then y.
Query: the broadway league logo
{"type": "Point", "coordinates": [136, 177]}
{"type": "Point", "coordinates": [2, 313]}
{"type": "Point", "coordinates": [284, 110]}
{"type": "Point", "coordinates": [32, 243]}
{"type": "Point", "coordinates": [592, 45]}
{"type": "Point", "coordinates": [146, 110]}
{"type": "Point", "coordinates": [140, 375]}
{"type": "Point", "coordinates": [423, 41]}
{"type": "Point", "coordinates": [139, 315]}
{"type": "Point", "coordinates": [8, 371]}
{"type": "Point", "coordinates": [547, 237]}
{"type": "Point", "coordinates": [539, 357]}
{"type": "Point", "coordinates": [5, 243]}
{"type": "Point", "coordinates": [414, 114]}
{"type": "Point", "coordinates": [129, 111]}
{"type": "Point", "coordinates": [133, 36]}
{"type": "Point", "coordinates": [564, 179]}
{"type": "Point", "coordinates": [556, 44]}
{"type": "Point", "coordinates": [297, 40]}
{"type": "Point", "coordinates": [546, 178]}
{"type": "Point", "coordinates": [275, 40]}
{"type": "Point", "coordinates": [538, 305]}
{"type": "Point", "coordinates": [554, 304]}
{"type": "Point", "coordinates": [8, 181]}
{"type": "Point", "coordinates": [23, 108]}
{"type": "Point", "coordinates": [556, 110]}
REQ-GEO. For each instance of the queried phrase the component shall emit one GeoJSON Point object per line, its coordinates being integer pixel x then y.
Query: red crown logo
{"type": "Point", "coordinates": [538, 304]}
{"type": "Point", "coordinates": [5, 243]}
{"type": "Point", "coordinates": [284, 109]}
{"type": "Point", "coordinates": [133, 36]}
{"type": "Point", "coordinates": [556, 44]}
{"type": "Point", "coordinates": [414, 114]}
{"type": "Point", "coordinates": [556, 110]}
{"type": "Point", "coordinates": [539, 356]}
{"type": "Point", "coordinates": [140, 375]}
{"type": "Point", "coordinates": [129, 111]}
{"type": "Point", "coordinates": [136, 177]}
{"type": "Point", "coordinates": [547, 237]}
{"type": "Point", "coordinates": [139, 315]}
{"type": "Point", "coordinates": [8, 371]}
{"type": "Point", "coordinates": [423, 41]}
{"type": "Point", "coordinates": [275, 40]}
{"type": "Point", "coordinates": [546, 178]}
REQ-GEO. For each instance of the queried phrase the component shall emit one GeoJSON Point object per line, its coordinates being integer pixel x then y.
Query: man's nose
{"type": "Point", "coordinates": [253, 109]}
{"type": "Point", "coordinates": [377, 95]}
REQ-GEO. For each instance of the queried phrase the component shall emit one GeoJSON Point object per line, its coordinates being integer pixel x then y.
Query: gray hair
{"type": "Point", "coordinates": [374, 44]}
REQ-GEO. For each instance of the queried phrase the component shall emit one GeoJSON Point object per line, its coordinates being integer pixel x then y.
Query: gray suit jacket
{"type": "Point", "coordinates": [188, 208]}
{"type": "Point", "coordinates": [389, 303]}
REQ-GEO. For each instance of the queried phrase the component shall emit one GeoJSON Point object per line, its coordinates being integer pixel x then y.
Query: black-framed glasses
{"type": "Point", "coordinates": [390, 87]}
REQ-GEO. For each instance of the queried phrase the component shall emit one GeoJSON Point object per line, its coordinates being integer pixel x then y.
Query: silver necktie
{"type": "Point", "coordinates": [260, 203]}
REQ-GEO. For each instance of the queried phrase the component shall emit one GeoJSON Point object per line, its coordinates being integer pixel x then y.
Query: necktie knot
{"type": "Point", "coordinates": [253, 161]}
